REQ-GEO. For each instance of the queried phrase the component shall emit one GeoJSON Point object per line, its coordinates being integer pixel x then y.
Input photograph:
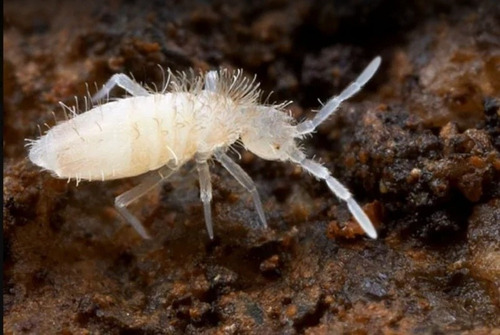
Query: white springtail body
{"type": "Point", "coordinates": [190, 119]}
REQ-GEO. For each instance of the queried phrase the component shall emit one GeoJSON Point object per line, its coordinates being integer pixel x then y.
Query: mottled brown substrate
{"type": "Point", "coordinates": [419, 147]}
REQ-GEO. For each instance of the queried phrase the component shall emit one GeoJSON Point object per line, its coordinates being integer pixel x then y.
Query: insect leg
{"type": "Point", "coordinates": [244, 179]}
{"type": "Point", "coordinates": [125, 82]}
{"type": "Point", "coordinates": [138, 191]}
{"type": "Point", "coordinates": [205, 193]}
{"type": "Point", "coordinates": [211, 79]}
{"type": "Point", "coordinates": [319, 171]}
{"type": "Point", "coordinates": [331, 106]}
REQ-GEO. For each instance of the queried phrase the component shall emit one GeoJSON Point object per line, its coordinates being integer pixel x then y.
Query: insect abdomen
{"type": "Point", "coordinates": [116, 140]}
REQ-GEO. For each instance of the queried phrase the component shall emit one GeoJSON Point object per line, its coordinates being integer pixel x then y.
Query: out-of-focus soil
{"type": "Point", "coordinates": [418, 147]}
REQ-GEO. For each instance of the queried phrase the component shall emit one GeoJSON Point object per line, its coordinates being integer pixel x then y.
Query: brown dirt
{"type": "Point", "coordinates": [419, 147]}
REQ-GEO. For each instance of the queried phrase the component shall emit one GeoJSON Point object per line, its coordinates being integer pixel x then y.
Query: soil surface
{"type": "Point", "coordinates": [418, 147]}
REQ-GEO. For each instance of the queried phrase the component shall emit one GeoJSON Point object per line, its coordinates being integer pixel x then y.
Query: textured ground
{"type": "Point", "coordinates": [419, 148]}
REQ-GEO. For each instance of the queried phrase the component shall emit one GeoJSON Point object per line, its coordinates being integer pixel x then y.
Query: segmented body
{"type": "Point", "coordinates": [196, 119]}
{"type": "Point", "coordinates": [135, 135]}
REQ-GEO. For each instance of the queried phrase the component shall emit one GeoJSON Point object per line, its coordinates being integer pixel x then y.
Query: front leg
{"type": "Point", "coordinates": [125, 82]}
{"type": "Point", "coordinates": [245, 180]}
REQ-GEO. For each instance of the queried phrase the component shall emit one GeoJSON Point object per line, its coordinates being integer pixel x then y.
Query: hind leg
{"type": "Point", "coordinates": [123, 81]}
{"type": "Point", "coordinates": [124, 199]}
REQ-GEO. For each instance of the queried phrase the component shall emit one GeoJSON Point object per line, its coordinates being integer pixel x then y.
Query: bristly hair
{"type": "Point", "coordinates": [184, 82]}
{"type": "Point", "coordinates": [230, 83]}
{"type": "Point", "coordinates": [236, 86]}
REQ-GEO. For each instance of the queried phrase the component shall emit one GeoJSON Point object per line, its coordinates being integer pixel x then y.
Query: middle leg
{"type": "Point", "coordinates": [205, 192]}
{"type": "Point", "coordinates": [211, 79]}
